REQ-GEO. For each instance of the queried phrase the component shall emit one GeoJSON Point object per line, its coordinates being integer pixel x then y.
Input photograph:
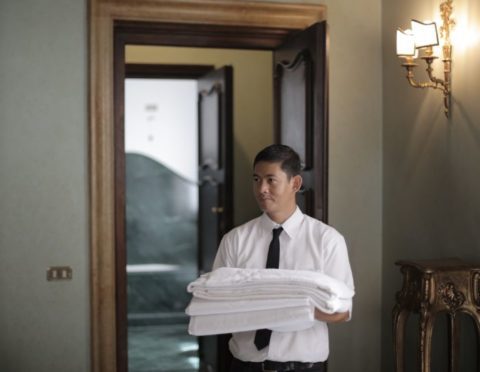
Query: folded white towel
{"type": "Point", "coordinates": [252, 285]}
{"type": "Point", "coordinates": [327, 305]}
{"type": "Point", "coordinates": [281, 320]}
{"type": "Point", "coordinates": [236, 278]}
{"type": "Point", "coordinates": [201, 306]}
{"type": "Point", "coordinates": [229, 300]}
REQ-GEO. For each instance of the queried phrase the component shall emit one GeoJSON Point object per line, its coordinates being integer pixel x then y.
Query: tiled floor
{"type": "Point", "coordinates": [162, 348]}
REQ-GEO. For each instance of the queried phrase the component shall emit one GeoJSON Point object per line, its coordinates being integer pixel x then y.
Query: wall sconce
{"type": "Point", "coordinates": [423, 36]}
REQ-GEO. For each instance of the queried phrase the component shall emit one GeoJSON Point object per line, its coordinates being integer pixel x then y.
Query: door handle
{"type": "Point", "coordinates": [208, 164]}
{"type": "Point", "coordinates": [207, 179]}
{"type": "Point", "coordinates": [217, 210]}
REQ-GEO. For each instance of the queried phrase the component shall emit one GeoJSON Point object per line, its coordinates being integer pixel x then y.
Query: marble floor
{"type": "Point", "coordinates": [162, 348]}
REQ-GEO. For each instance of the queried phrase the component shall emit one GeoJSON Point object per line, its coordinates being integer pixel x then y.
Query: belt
{"type": "Point", "coordinates": [269, 365]}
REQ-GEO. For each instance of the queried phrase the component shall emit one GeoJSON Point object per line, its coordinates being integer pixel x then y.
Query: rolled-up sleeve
{"type": "Point", "coordinates": [336, 261]}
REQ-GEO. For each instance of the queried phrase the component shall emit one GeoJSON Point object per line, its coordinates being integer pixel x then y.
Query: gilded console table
{"type": "Point", "coordinates": [431, 287]}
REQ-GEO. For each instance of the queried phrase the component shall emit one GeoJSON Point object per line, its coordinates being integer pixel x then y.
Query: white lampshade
{"type": "Point", "coordinates": [405, 43]}
{"type": "Point", "coordinates": [425, 33]}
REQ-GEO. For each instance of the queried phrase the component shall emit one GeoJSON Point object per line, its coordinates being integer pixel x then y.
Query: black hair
{"type": "Point", "coordinates": [283, 154]}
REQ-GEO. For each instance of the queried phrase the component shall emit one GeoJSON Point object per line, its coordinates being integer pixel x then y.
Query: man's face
{"type": "Point", "coordinates": [275, 193]}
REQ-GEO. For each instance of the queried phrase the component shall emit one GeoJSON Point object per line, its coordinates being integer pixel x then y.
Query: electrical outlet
{"type": "Point", "coordinates": [59, 273]}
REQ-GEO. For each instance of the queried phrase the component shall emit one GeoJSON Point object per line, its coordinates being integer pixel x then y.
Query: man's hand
{"type": "Point", "coordinates": [331, 318]}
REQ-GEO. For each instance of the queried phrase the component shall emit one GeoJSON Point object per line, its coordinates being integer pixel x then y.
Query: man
{"type": "Point", "coordinates": [304, 244]}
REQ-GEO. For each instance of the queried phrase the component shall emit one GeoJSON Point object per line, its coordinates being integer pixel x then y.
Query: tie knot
{"type": "Point", "coordinates": [277, 232]}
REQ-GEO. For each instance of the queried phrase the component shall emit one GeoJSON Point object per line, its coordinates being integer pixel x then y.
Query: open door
{"type": "Point", "coordinates": [300, 101]}
{"type": "Point", "coordinates": [215, 120]}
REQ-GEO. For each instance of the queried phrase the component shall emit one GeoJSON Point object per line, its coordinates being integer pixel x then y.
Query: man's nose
{"type": "Point", "coordinates": [263, 188]}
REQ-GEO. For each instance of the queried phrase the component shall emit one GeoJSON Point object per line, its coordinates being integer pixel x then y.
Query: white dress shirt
{"type": "Point", "coordinates": [305, 244]}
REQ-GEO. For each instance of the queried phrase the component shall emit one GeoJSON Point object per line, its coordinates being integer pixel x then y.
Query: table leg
{"type": "Point", "coordinates": [426, 329]}
{"type": "Point", "coordinates": [400, 317]}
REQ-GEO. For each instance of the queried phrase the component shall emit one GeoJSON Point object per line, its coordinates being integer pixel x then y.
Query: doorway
{"type": "Point", "coordinates": [161, 213]}
{"type": "Point", "coordinates": [209, 23]}
{"type": "Point", "coordinates": [173, 170]}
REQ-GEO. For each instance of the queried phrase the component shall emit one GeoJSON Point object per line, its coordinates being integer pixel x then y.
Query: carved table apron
{"type": "Point", "coordinates": [431, 287]}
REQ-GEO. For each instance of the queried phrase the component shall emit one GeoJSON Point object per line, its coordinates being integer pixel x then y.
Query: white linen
{"type": "Point", "coordinates": [251, 285]}
{"type": "Point", "coordinates": [201, 306]}
{"type": "Point", "coordinates": [262, 299]}
{"type": "Point", "coordinates": [281, 320]}
{"type": "Point", "coordinates": [230, 300]}
{"type": "Point", "coordinates": [244, 278]}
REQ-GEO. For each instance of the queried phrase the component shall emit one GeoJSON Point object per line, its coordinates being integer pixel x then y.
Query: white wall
{"type": "Point", "coordinates": [161, 123]}
{"type": "Point", "coordinates": [44, 326]}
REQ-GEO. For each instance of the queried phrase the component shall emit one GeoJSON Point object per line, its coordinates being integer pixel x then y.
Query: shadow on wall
{"type": "Point", "coordinates": [161, 240]}
{"type": "Point", "coordinates": [474, 129]}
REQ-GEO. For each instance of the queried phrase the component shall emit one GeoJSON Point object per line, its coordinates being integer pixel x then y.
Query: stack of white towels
{"type": "Point", "coordinates": [229, 300]}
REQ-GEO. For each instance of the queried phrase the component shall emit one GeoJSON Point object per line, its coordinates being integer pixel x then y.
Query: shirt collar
{"type": "Point", "coordinates": [290, 226]}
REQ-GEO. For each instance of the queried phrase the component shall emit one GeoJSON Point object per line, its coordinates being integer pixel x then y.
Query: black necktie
{"type": "Point", "coordinates": [262, 336]}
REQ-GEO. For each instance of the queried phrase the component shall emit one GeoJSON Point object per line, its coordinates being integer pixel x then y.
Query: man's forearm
{"type": "Point", "coordinates": [331, 318]}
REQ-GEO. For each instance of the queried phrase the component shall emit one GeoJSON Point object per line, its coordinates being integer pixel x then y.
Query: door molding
{"type": "Point", "coordinates": [179, 15]}
{"type": "Point", "coordinates": [165, 71]}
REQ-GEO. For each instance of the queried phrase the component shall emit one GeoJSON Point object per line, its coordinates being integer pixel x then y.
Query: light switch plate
{"type": "Point", "coordinates": [59, 273]}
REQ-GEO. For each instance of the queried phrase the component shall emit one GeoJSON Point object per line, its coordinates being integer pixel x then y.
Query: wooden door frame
{"type": "Point", "coordinates": [242, 23]}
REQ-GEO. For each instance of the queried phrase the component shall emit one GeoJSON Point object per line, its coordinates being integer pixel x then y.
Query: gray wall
{"type": "Point", "coordinates": [44, 180]}
{"type": "Point", "coordinates": [431, 199]}
{"type": "Point", "coordinates": [355, 166]}
{"type": "Point", "coordinates": [44, 326]}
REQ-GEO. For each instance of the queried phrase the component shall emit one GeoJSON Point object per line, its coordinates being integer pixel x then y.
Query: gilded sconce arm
{"type": "Point", "coordinates": [438, 83]}
{"type": "Point", "coordinates": [434, 82]}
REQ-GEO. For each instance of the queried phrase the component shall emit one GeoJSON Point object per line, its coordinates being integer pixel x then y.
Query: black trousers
{"type": "Point", "coordinates": [240, 366]}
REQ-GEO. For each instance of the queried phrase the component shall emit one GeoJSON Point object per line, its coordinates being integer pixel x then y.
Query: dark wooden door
{"type": "Point", "coordinates": [300, 100]}
{"type": "Point", "coordinates": [215, 124]}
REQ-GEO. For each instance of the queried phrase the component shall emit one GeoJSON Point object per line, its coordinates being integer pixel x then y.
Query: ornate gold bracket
{"type": "Point", "coordinates": [444, 84]}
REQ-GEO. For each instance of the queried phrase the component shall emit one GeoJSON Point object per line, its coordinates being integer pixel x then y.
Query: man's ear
{"type": "Point", "coordinates": [297, 182]}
